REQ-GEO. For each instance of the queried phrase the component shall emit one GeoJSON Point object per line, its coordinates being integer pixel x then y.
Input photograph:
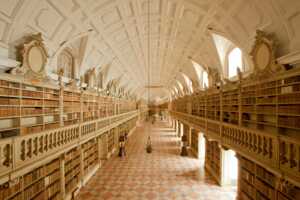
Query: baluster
{"type": "Point", "coordinates": [259, 144]}
{"type": "Point", "coordinates": [250, 142]}
{"type": "Point", "coordinates": [7, 155]}
{"type": "Point", "coordinates": [35, 145]}
{"type": "Point", "coordinates": [54, 139]}
{"type": "Point", "coordinates": [72, 134]}
{"type": "Point", "coordinates": [65, 136]}
{"type": "Point", "coordinates": [68, 136]}
{"type": "Point", "coordinates": [265, 146]}
{"type": "Point", "coordinates": [50, 140]}
{"type": "Point", "coordinates": [46, 143]}
{"type": "Point", "coordinates": [242, 137]}
{"type": "Point", "coordinates": [29, 148]}
{"type": "Point", "coordinates": [293, 162]}
{"type": "Point", "coordinates": [58, 138]}
{"type": "Point", "coordinates": [246, 140]}
{"type": "Point", "coordinates": [255, 143]}
{"type": "Point", "coordinates": [282, 153]}
{"type": "Point", "coordinates": [77, 132]}
{"type": "Point", "coordinates": [23, 150]}
{"type": "Point", "coordinates": [270, 148]}
{"type": "Point", "coordinates": [41, 141]}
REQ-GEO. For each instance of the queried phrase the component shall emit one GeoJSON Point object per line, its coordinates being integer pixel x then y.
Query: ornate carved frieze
{"type": "Point", "coordinates": [263, 55]}
{"type": "Point", "coordinates": [34, 58]}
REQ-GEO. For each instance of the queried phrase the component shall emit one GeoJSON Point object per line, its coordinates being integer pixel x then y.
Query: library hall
{"type": "Point", "coordinates": [149, 99]}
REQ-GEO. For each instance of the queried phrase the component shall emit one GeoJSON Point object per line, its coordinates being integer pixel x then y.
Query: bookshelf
{"type": "Point", "coordinates": [26, 108]}
{"type": "Point", "coordinates": [270, 105]}
{"type": "Point", "coordinates": [213, 106]}
{"type": "Point", "coordinates": [41, 183]}
{"type": "Point", "coordinates": [194, 141]}
{"type": "Point", "coordinates": [89, 107]}
{"type": "Point", "coordinates": [71, 107]}
{"type": "Point", "coordinates": [10, 108]}
{"type": "Point", "coordinates": [110, 141]}
{"type": "Point", "coordinates": [90, 155]}
{"type": "Point", "coordinates": [255, 181]}
{"type": "Point", "coordinates": [213, 159]}
{"type": "Point", "coordinates": [59, 177]}
{"type": "Point", "coordinates": [72, 169]}
{"type": "Point", "coordinates": [230, 106]}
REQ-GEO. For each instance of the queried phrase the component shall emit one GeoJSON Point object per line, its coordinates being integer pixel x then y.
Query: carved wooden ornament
{"type": "Point", "coordinates": [263, 54]}
{"type": "Point", "coordinates": [34, 58]}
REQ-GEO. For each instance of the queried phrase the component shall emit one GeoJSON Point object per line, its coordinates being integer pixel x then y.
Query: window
{"type": "Point", "coordinates": [204, 79]}
{"type": "Point", "coordinates": [188, 82]}
{"type": "Point", "coordinates": [176, 90]}
{"type": "Point", "coordinates": [234, 62]}
{"type": "Point", "coordinates": [66, 63]}
{"type": "Point", "coordinates": [201, 74]}
{"type": "Point", "coordinates": [180, 85]}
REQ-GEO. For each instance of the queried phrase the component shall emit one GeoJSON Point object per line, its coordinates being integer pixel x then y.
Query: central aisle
{"type": "Point", "coordinates": [160, 175]}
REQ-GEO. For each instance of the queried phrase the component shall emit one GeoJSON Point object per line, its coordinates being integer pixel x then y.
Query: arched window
{"type": "Point", "coordinates": [235, 61]}
{"type": "Point", "coordinates": [66, 63]}
{"type": "Point", "coordinates": [204, 79]}
{"type": "Point", "coordinates": [188, 82]}
{"type": "Point", "coordinates": [201, 74]}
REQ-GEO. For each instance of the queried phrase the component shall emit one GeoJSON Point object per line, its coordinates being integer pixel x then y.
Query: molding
{"type": "Point", "coordinates": [6, 63]}
{"type": "Point", "coordinates": [291, 58]}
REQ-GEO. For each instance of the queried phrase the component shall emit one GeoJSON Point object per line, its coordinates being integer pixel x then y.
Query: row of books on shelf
{"type": "Point", "coordinates": [256, 182]}
{"type": "Point", "coordinates": [10, 190]}
{"type": "Point", "coordinates": [9, 92]}
{"type": "Point", "coordinates": [52, 192]}
{"type": "Point", "coordinates": [72, 164]}
{"type": "Point", "coordinates": [5, 101]}
{"type": "Point", "coordinates": [289, 121]}
{"type": "Point", "coordinates": [34, 189]}
{"type": "Point", "coordinates": [72, 173]}
{"type": "Point", "coordinates": [72, 184]}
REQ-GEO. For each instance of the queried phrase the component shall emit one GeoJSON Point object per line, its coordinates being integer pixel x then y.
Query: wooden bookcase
{"type": "Point", "coordinates": [213, 159]}
{"type": "Point", "coordinates": [213, 106]}
{"type": "Point", "coordinates": [42, 183]}
{"type": "Point", "coordinates": [26, 108]}
{"type": "Point", "coordinates": [31, 108]}
{"type": "Point", "coordinates": [230, 106]}
{"type": "Point", "coordinates": [58, 177]}
{"type": "Point", "coordinates": [89, 107]}
{"type": "Point", "coordinates": [110, 141]}
{"type": "Point", "coordinates": [90, 155]}
{"type": "Point", "coordinates": [256, 183]}
{"type": "Point", "coordinates": [71, 107]}
{"type": "Point", "coordinates": [194, 141]}
{"type": "Point", "coordinates": [72, 170]}
{"type": "Point", "coordinates": [270, 105]}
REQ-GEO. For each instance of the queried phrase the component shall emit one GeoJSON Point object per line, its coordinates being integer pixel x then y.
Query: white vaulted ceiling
{"type": "Point", "coordinates": [118, 32]}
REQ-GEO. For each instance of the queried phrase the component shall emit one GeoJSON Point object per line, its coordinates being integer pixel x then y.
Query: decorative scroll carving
{"type": "Point", "coordinates": [65, 62]}
{"type": "Point", "coordinates": [90, 78]}
{"type": "Point", "coordinates": [263, 54]}
{"type": "Point", "coordinates": [34, 58]}
{"type": "Point", "coordinates": [215, 78]}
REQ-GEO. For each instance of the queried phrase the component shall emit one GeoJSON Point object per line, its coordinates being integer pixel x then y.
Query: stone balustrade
{"type": "Point", "coordinates": [278, 153]}
{"type": "Point", "coordinates": [22, 151]}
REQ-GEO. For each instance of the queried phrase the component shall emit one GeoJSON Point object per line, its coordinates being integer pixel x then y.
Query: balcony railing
{"type": "Point", "coordinates": [21, 151]}
{"type": "Point", "coordinates": [278, 153]}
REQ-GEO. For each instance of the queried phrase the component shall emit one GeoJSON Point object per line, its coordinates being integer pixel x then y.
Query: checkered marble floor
{"type": "Point", "coordinates": [162, 175]}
